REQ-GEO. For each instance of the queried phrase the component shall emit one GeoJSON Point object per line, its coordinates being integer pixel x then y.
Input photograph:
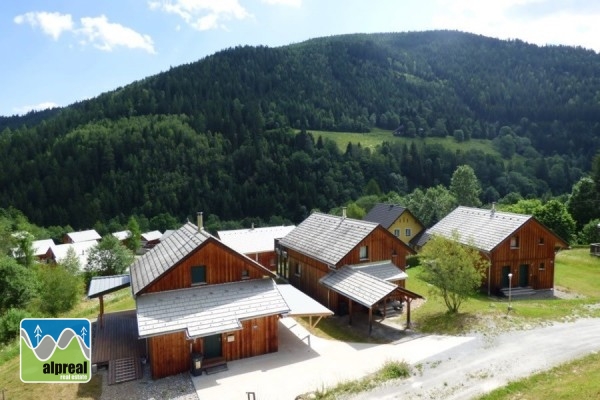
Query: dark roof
{"type": "Point", "coordinates": [327, 238]}
{"type": "Point", "coordinates": [384, 214]}
{"type": "Point", "coordinates": [171, 251]}
{"type": "Point", "coordinates": [101, 285]}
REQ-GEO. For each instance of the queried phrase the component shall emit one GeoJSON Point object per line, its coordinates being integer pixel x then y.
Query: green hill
{"type": "Point", "coordinates": [218, 135]}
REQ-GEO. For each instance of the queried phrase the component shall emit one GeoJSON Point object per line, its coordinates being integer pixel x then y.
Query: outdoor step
{"type": "Point", "coordinates": [518, 292]}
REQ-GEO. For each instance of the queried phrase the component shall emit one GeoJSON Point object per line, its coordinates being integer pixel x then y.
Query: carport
{"type": "Point", "coordinates": [302, 305]}
{"type": "Point", "coordinates": [366, 289]}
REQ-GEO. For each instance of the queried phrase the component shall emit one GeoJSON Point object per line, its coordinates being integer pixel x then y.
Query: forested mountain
{"type": "Point", "coordinates": [218, 135]}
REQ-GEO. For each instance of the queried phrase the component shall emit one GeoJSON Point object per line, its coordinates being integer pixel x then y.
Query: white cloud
{"type": "Point", "coordinates": [535, 21]}
{"type": "Point", "coordinates": [97, 31]}
{"type": "Point", "coordinates": [202, 14]}
{"type": "Point", "coordinates": [36, 107]}
{"type": "Point", "coordinates": [107, 35]}
{"type": "Point", "coordinates": [292, 3]}
{"type": "Point", "coordinates": [51, 23]}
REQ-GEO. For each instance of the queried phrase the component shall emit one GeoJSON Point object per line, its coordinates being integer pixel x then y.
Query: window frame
{"type": "Point", "coordinates": [363, 252]}
{"type": "Point", "coordinates": [192, 275]}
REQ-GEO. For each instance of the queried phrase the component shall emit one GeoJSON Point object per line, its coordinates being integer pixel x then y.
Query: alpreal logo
{"type": "Point", "coordinates": [56, 350]}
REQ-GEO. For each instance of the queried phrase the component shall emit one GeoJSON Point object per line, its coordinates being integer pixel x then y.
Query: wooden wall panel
{"type": "Point", "coordinates": [222, 266]}
{"type": "Point", "coordinates": [267, 259]}
{"type": "Point", "coordinates": [536, 249]}
{"type": "Point", "coordinates": [258, 336]}
{"type": "Point", "coordinates": [169, 354]}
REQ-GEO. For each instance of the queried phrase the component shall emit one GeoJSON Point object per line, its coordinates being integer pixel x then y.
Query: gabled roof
{"type": "Point", "coordinates": [147, 268]}
{"type": "Point", "coordinates": [84, 236]}
{"type": "Point", "coordinates": [254, 240]}
{"type": "Point", "coordinates": [81, 249]}
{"type": "Point", "coordinates": [101, 285]}
{"type": "Point", "coordinates": [484, 229]}
{"type": "Point", "coordinates": [208, 310]}
{"type": "Point", "coordinates": [122, 235]}
{"type": "Point", "coordinates": [384, 214]}
{"type": "Point", "coordinates": [358, 286]}
{"type": "Point", "coordinates": [40, 247]}
{"type": "Point", "coordinates": [327, 238]}
{"type": "Point", "coordinates": [385, 270]}
{"type": "Point", "coordinates": [152, 235]}
{"type": "Point", "coordinates": [170, 252]}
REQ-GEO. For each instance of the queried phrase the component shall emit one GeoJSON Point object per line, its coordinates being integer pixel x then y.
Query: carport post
{"type": "Point", "coordinates": [370, 320]}
{"type": "Point", "coordinates": [408, 301]}
{"type": "Point", "coordinates": [349, 312]}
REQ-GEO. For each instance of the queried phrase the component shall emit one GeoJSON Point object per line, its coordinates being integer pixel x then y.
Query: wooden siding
{"type": "Point", "coordinates": [267, 259]}
{"type": "Point", "coordinates": [381, 246]}
{"type": "Point", "coordinates": [536, 248]}
{"type": "Point", "coordinates": [171, 354]}
{"type": "Point", "coordinates": [222, 266]}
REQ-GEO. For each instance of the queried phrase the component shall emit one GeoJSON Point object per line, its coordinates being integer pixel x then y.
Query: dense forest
{"type": "Point", "coordinates": [231, 134]}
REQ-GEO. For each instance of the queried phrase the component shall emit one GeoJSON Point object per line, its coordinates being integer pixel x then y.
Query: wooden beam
{"type": "Point", "coordinates": [408, 301]}
{"type": "Point", "coordinates": [349, 312]}
{"type": "Point", "coordinates": [101, 316]}
{"type": "Point", "coordinates": [317, 321]}
{"type": "Point", "coordinates": [370, 320]}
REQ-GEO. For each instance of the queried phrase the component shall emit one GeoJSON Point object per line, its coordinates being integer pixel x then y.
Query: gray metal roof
{"type": "Point", "coordinates": [208, 310]}
{"type": "Point", "coordinates": [84, 236]}
{"type": "Point", "coordinates": [484, 229]}
{"type": "Point", "coordinates": [100, 285]}
{"type": "Point", "coordinates": [165, 255]}
{"type": "Point", "coordinates": [385, 270]}
{"type": "Point", "coordinates": [327, 238]}
{"type": "Point", "coordinates": [301, 304]}
{"type": "Point", "coordinates": [358, 286]}
{"type": "Point", "coordinates": [384, 214]}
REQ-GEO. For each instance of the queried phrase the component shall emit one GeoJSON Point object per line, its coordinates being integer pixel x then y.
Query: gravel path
{"type": "Point", "coordinates": [486, 363]}
{"type": "Point", "coordinates": [177, 387]}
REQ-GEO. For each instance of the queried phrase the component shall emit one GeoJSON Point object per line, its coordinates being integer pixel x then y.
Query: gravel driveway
{"type": "Point", "coordinates": [483, 364]}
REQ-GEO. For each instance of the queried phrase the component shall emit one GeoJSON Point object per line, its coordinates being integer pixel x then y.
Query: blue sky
{"type": "Point", "coordinates": [59, 52]}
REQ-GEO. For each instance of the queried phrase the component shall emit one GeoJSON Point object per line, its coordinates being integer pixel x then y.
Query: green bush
{"type": "Point", "coordinates": [412, 261]}
{"type": "Point", "coordinates": [10, 324]}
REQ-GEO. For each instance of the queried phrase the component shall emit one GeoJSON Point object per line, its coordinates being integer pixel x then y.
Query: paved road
{"type": "Point", "coordinates": [483, 364]}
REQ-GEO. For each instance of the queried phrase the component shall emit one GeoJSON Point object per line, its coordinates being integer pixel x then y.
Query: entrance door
{"type": "Point", "coordinates": [505, 272]}
{"type": "Point", "coordinates": [524, 275]}
{"type": "Point", "coordinates": [212, 346]}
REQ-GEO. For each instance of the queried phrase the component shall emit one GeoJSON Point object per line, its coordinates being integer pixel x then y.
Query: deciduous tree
{"type": "Point", "coordinates": [455, 270]}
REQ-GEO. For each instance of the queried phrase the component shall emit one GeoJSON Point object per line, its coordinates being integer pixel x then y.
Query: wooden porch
{"type": "Point", "coordinates": [115, 344]}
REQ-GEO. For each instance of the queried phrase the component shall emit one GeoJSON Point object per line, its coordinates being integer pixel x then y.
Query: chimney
{"type": "Point", "coordinates": [493, 209]}
{"type": "Point", "coordinates": [200, 222]}
{"type": "Point", "coordinates": [252, 226]}
{"type": "Point", "coordinates": [343, 212]}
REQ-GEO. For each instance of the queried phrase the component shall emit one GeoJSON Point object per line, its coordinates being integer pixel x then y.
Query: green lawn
{"type": "Point", "coordinates": [378, 136]}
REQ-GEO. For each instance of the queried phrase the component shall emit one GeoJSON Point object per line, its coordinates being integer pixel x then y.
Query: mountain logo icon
{"type": "Point", "coordinates": [56, 350]}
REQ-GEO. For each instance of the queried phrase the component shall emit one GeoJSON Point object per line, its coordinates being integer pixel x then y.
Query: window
{"type": "Point", "coordinates": [542, 267]}
{"type": "Point", "coordinates": [541, 241]}
{"type": "Point", "coordinates": [364, 252]}
{"type": "Point", "coordinates": [245, 274]}
{"type": "Point", "coordinates": [407, 232]}
{"type": "Point", "coordinates": [397, 232]}
{"type": "Point", "coordinates": [298, 271]}
{"type": "Point", "coordinates": [199, 275]}
{"type": "Point", "coordinates": [514, 242]}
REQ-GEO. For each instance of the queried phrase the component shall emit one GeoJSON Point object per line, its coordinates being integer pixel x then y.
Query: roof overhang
{"type": "Point", "coordinates": [302, 305]}
{"type": "Point", "coordinates": [358, 286]}
{"type": "Point", "coordinates": [101, 285]}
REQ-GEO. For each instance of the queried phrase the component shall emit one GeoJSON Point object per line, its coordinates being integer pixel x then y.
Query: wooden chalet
{"type": "Point", "coordinates": [513, 243]}
{"type": "Point", "coordinates": [197, 296]}
{"type": "Point", "coordinates": [81, 236]}
{"type": "Point", "coordinates": [150, 239]}
{"type": "Point", "coordinates": [256, 243]}
{"type": "Point", "coordinates": [396, 219]}
{"type": "Point", "coordinates": [325, 252]}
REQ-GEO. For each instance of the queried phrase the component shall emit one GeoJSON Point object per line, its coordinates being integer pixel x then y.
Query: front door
{"type": "Point", "coordinates": [505, 272]}
{"type": "Point", "coordinates": [212, 346]}
{"type": "Point", "coordinates": [524, 275]}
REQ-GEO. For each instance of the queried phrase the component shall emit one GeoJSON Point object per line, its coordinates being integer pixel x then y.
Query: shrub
{"type": "Point", "coordinates": [10, 324]}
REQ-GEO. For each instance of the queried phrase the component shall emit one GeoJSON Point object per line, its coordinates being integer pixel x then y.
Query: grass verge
{"type": "Point", "coordinates": [10, 381]}
{"type": "Point", "coordinates": [571, 381]}
{"type": "Point", "coordinates": [389, 371]}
